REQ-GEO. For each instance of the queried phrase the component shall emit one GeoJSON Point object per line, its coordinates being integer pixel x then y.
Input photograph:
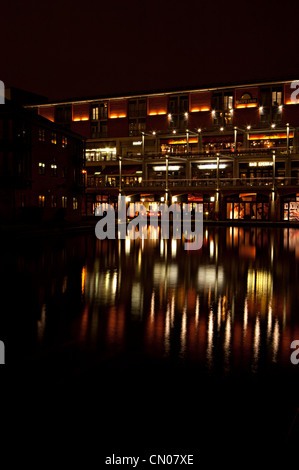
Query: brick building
{"type": "Point", "coordinates": [234, 148]}
{"type": "Point", "coordinates": [41, 167]}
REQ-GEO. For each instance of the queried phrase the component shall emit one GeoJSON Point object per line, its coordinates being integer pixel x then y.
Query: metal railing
{"type": "Point", "coordinates": [195, 183]}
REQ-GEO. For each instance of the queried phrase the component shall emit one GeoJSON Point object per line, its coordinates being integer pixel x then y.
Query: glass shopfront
{"type": "Point", "coordinates": [291, 208]}
{"type": "Point", "coordinates": [247, 207]}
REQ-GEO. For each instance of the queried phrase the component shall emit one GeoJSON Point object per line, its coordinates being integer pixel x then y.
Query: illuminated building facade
{"type": "Point", "coordinates": [233, 148]}
{"type": "Point", "coordinates": [41, 167]}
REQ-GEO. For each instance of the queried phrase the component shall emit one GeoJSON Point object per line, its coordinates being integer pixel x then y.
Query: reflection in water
{"type": "Point", "coordinates": [230, 306]}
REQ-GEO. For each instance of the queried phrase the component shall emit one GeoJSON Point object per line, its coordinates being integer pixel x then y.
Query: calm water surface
{"type": "Point", "coordinates": [139, 320]}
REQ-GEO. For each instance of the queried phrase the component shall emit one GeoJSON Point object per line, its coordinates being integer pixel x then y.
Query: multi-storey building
{"type": "Point", "coordinates": [41, 167]}
{"type": "Point", "coordinates": [233, 148]}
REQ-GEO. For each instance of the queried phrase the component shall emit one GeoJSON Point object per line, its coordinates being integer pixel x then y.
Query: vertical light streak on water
{"type": "Point", "coordinates": [256, 344]}
{"type": "Point", "coordinates": [197, 311]}
{"type": "Point", "coordinates": [269, 323]}
{"type": "Point", "coordinates": [41, 324]}
{"type": "Point", "coordinates": [183, 333]}
{"type": "Point", "coordinates": [210, 340]}
{"type": "Point", "coordinates": [245, 318]}
{"type": "Point", "coordinates": [276, 336]}
{"type": "Point", "coordinates": [127, 245]}
{"type": "Point", "coordinates": [219, 314]}
{"type": "Point", "coordinates": [227, 342]}
{"type": "Point", "coordinates": [161, 247]}
{"type": "Point", "coordinates": [152, 311]}
{"type": "Point", "coordinates": [172, 310]}
{"type": "Point", "coordinates": [167, 330]}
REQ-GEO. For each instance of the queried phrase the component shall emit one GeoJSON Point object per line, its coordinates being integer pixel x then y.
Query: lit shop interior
{"type": "Point", "coordinates": [247, 206]}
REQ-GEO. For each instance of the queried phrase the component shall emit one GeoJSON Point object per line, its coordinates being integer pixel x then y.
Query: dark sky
{"type": "Point", "coordinates": [64, 49]}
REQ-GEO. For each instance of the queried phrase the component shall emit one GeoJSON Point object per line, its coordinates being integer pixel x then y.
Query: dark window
{"type": "Point", "coordinates": [41, 135]}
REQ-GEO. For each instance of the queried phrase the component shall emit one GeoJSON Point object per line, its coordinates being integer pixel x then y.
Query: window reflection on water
{"type": "Point", "coordinates": [230, 306]}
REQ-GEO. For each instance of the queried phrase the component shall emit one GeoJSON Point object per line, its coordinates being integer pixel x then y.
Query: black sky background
{"type": "Point", "coordinates": [87, 48]}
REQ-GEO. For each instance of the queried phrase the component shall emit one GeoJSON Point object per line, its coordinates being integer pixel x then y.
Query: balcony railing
{"type": "Point", "coordinates": [211, 183]}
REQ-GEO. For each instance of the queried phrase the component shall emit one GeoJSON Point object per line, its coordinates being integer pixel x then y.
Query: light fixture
{"type": "Point", "coordinates": [186, 114]}
{"type": "Point", "coordinates": [174, 131]}
{"type": "Point", "coordinates": [211, 166]}
{"type": "Point", "coordinates": [199, 130]}
{"type": "Point", "coordinates": [212, 199]}
{"type": "Point", "coordinates": [169, 115]}
{"type": "Point", "coordinates": [261, 108]}
{"type": "Point", "coordinates": [154, 132]}
{"type": "Point", "coordinates": [162, 199]}
{"type": "Point", "coordinates": [273, 125]}
{"type": "Point", "coordinates": [174, 199]}
{"type": "Point", "coordinates": [280, 107]}
{"type": "Point", "coordinates": [128, 199]}
{"type": "Point", "coordinates": [222, 128]}
{"type": "Point", "coordinates": [170, 168]}
{"type": "Point", "coordinates": [248, 128]}
{"type": "Point", "coordinates": [213, 112]}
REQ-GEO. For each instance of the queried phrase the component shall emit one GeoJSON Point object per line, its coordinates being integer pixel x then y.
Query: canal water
{"type": "Point", "coordinates": [147, 347]}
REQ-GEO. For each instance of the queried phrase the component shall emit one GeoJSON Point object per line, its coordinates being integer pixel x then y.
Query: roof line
{"type": "Point", "coordinates": [167, 93]}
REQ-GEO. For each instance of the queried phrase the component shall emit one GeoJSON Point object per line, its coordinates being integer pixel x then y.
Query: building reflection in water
{"type": "Point", "coordinates": [232, 305]}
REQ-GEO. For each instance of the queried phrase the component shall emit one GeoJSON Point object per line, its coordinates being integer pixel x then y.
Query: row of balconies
{"type": "Point", "coordinates": [211, 183]}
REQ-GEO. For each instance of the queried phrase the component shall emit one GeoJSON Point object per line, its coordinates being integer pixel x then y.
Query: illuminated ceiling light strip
{"type": "Point", "coordinates": [211, 166]}
{"type": "Point", "coordinates": [170, 168]}
{"type": "Point", "coordinates": [270, 136]}
{"type": "Point", "coordinates": [108, 149]}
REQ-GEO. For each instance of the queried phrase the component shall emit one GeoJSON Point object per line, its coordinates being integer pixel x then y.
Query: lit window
{"type": "Point", "coordinates": [228, 102]}
{"type": "Point", "coordinates": [53, 169]}
{"type": "Point", "coordinates": [64, 202]}
{"type": "Point", "coordinates": [95, 113]}
{"type": "Point", "coordinates": [41, 168]}
{"type": "Point", "coordinates": [64, 142]}
{"type": "Point", "coordinates": [41, 200]}
{"type": "Point", "coordinates": [75, 203]}
{"type": "Point", "coordinates": [53, 138]}
{"type": "Point", "coordinates": [276, 98]}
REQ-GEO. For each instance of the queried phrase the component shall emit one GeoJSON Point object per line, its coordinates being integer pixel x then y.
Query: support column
{"type": "Point", "coordinates": [217, 204]}
{"type": "Point", "coordinates": [199, 142]}
{"type": "Point", "coordinates": [166, 181]}
{"type": "Point", "coordinates": [273, 214]}
{"type": "Point", "coordinates": [246, 141]}
{"type": "Point", "coordinates": [120, 176]}
{"type": "Point", "coordinates": [118, 147]}
{"type": "Point", "coordinates": [235, 169]}
{"type": "Point", "coordinates": [217, 192]}
{"type": "Point", "coordinates": [143, 144]}
{"type": "Point", "coordinates": [217, 172]}
{"type": "Point", "coordinates": [288, 164]}
{"type": "Point", "coordinates": [188, 170]}
{"type": "Point", "coordinates": [144, 171]}
{"type": "Point", "coordinates": [235, 139]}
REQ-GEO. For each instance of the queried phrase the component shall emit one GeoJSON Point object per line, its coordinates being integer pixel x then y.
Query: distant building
{"type": "Point", "coordinates": [235, 147]}
{"type": "Point", "coordinates": [41, 168]}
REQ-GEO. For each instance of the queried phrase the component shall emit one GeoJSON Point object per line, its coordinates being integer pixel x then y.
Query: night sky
{"type": "Point", "coordinates": [87, 48]}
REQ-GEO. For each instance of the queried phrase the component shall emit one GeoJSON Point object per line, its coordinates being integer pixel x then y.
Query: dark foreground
{"type": "Point", "coordinates": [139, 348]}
